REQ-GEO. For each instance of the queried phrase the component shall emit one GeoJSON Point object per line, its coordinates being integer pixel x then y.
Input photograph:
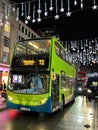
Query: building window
{"type": "Point", "coordinates": [5, 57]}
{"type": "Point", "coordinates": [34, 36]}
{"type": "Point", "coordinates": [29, 34]}
{"type": "Point", "coordinates": [26, 31]}
{"type": "Point", "coordinates": [6, 41]}
{"type": "Point", "coordinates": [21, 38]}
{"type": "Point", "coordinates": [22, 29]}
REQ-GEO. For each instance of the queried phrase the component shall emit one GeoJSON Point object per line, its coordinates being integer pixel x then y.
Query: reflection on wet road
{"type": "Point", "coordinates": [78, 115]}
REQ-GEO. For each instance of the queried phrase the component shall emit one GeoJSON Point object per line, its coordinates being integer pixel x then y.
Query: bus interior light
{"type": "Point", "coordinates": [35, 46]}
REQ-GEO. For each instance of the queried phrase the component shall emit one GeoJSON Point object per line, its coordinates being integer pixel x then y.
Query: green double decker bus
{"type": "Point", "coordinates": [41, 76]}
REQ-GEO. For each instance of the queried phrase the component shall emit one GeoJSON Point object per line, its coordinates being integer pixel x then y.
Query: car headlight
{"type": "Point", "coordinates": [80, 89]}
{"type": "Point", "coordinates": [89, 91]}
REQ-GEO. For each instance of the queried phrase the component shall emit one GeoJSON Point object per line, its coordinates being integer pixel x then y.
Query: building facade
{"type": "Point", "coordinates": [11, 30]}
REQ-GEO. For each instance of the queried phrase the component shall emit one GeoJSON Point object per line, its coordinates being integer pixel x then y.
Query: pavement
{"type": "Point", "coordinates": [2, 103]}
{"type": "Point", "coordinates": [96, 116]}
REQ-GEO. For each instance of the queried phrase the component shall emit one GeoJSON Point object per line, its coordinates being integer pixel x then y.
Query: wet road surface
{"type": "Point", "coordinates": [78, 115]}
{"type": "Point", "coordinates": [83, 115]}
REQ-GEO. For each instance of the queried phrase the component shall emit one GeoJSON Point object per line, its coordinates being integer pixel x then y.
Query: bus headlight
{"type": "Point", "coordinates": [80, 89]}
{"type": "Point", "coordinates": [44, 100]}
{"type": "Point", "coordinates": [89, 91]}
{"type": "Point", "coordinates": [10, 98]}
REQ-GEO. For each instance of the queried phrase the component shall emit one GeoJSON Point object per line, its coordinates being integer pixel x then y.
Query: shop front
{"type": "Point", "coordinates": [4, 69]}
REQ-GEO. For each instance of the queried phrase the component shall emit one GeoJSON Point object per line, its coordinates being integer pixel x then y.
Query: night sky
{"type": "Point", "coordinates": [82, 24]}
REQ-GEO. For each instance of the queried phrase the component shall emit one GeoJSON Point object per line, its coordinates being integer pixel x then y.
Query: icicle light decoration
{"type": "Point", "coordinates": [68, 9]}
{"type": "Point", "coordinates": [17, 18]}
{"type": "Point", "coordinates": [75, 2]}
{"type": "Point", "coordinates": [33, 20]}
{"type": "Point", "coordinates": [62, 8]}
{"type": "Point", "coordinates": [46, 12]}
{"type": "Point", "coordinates": [83, 51]}
{"type": "Point", "coordinates": [39, 11]}
{"type": "Point", "coordinates": [94, 5]}
{"type": "Point", "coordinates": [26, 21]}
{"type": "Point", "coordinates": [81, 4]}
{"type": "Point", "coordinates": [56, 4]}
{"type": "Point", "coordinates": [51, 5]}
{"type": "Point", "coordinates": [22, 9]}
{"type": "Point", "coordinates": [29, 17]}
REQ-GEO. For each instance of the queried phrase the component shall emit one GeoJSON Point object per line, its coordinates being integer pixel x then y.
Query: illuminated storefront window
{"type": "Point", "coordinates": [7, 27]}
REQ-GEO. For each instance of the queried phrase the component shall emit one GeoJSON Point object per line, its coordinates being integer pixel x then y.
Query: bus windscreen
{"type": "Point", "coordinates": [32, 47]}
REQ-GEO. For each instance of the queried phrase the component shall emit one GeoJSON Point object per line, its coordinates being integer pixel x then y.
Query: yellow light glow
{"type": "Point", "coordinates": [41, 62]}
{"type": "Point", "coordinates": [28, 62]}
{"type": "Point", "coordinates": [7, 27]}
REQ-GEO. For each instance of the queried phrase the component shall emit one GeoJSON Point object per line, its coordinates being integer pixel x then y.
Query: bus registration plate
{"type": "Point", "coordinates": [24, 109]}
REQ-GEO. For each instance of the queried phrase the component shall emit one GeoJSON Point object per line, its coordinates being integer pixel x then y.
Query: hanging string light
{"type": "Point", "coordinates": [29, 17]}
{"type": "Point", "coordinates": [9, 14]}
{"type": "Point", "coordinates": [94, 5]}
{"type": "Point", "coordinates": [27, 12]}
{"type": "Point", "coordinates": [75, 2]}
{"type": "Point", "coordinates": [62, 8]}
{"type": "Point", "coordinates": [13, 8]}
{"type": "Point", "coordinates": [81, 46]}
{"type": "Point", "coordinates": [84, 51]}
{"type": "Point", "coordinates": [26, 21]}
{"type": "Point", "coordinates": [33, 20]}
{"type": "Point", "coordinates": [17, 18]}
{"type": "Point", "coordinates": [86, 43]}
{"type": "Point", "coordinates": [81, 4]}
{"type": "Point", "coordinates": [51, 5]}
{"type": "Point", "coordinates": [39, 18]}
{"type": "Point", "coordinates": [39, 7]}
{"type": "Point", "coordinates": [39, 11]}
{"type": "Point", "coordinates": [68, 9]}
{"type": "Point", "coordinates": [1, 19]}
{"type": "Point", "coordinates": [6, 12]}
{"type": "Point", "coordinates": [78, 47]}
{"type": "Point", "coordinates": [46, 12]}
{"type": "Point", "coordinates": [22, 9]}
{"type": "Point", "coordinates": [56, 16]}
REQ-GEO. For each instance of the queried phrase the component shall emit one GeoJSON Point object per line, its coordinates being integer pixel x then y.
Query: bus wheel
{"type": "Point", "coordinates": [62, 103]}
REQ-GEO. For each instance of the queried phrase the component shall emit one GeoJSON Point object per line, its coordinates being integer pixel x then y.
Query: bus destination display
{"type": "Point", "coordinates": [40, 62]}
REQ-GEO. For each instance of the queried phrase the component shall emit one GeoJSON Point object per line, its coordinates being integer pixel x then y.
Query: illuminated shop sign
{"type": "Point", "coordinates": [4, 69]}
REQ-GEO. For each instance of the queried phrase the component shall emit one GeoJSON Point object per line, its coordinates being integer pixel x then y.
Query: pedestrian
{"type": "Point", "coordinates": [4, 85]}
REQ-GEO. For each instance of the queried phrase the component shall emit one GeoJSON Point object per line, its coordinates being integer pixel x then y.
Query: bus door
{"type": "Point", "coordinates": [55, 91]}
